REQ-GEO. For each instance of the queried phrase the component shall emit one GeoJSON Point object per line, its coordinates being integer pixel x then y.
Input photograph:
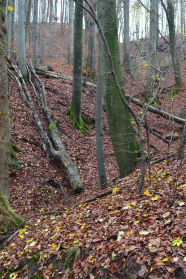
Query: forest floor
{"type": "Point", "coordinates": [115, 233]}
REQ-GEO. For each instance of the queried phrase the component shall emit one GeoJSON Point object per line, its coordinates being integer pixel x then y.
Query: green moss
{"type": "Point", "coordinates": [8, 218]}
{"type": "Point", "coordinates": [82, 125]}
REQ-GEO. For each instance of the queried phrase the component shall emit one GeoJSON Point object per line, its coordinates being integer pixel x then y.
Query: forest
{"type": "Point", "coordinates": [92, 139]}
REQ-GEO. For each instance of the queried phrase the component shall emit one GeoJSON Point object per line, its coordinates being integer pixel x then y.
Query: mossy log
{"type": "Point", "coordinates": [8, 218]}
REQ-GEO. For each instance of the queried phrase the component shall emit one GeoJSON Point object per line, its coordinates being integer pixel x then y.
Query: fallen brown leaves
{"type": "Point", "coordinates": [111, 233]}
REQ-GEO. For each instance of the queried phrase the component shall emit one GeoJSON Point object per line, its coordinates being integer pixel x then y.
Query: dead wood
{"type": "Point", "coordinates": [163, 158]}
{"type": "Point", "coordinates": [152, 109]}
{"type": "Point", "coordinates": [52, 143]}
{"type": "Point", "coordinates": [155, 134]}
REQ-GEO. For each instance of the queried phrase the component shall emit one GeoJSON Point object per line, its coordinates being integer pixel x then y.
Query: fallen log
{"type": "Point", "coordinates": [152, 109]}
{"type": "Point", "coordinates": [54, 146]}
{"type": "Point", "coordinates": [156, 110]}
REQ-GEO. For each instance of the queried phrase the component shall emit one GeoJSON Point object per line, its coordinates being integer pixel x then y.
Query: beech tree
{"type": "Point", "coordinates": [99, 134]}
{"type": "Point", "coordinates": [50, 28]}
{"type": "Point", "coordinates": [35, 33]}
{"type": "Point", "coordinates": [169, 10]}
{"type": "Point", "coordinates": [7, 215]}
{"type": "Point", "coordinates": [70, 40]}
{"type": "Point", "coordinates": [91, 58]}
{"type": "Point", "coordinates": [5, 135]}
{"type": "Point", "coordinates": [126, 40]}
{"type": "Point", "coordinates": [152, 46]}
{"type": "Point", "coordinates": [75, 108]}
{"type": "Point", "coordinates": [121, 131]}
{"type": "Point", "coordinates": [42, 31]}
{"type": "Point", "coordinates": [21, 39]}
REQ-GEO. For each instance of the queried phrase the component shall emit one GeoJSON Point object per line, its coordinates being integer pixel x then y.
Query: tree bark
{"type": "Point", "coordinates": [5, 128]}
{"type": "Point", "coordinates": [77, 70]}
{"type": "Point", "coordinates": [91, 58]}
{"type": "Point", "coordinates": [42, 48]}
{"type": "Point", "coordinates": [99, 135]}
{"type": "Point", "coordinates": [121, 131]}
{"type": "Point", "coordinates": [152, 46]}
{"type": "Point", "coordinates": [126, 41]}
{"type": "Point", "coordinates": [21, 39]}
{"type": "Point", "coordinates": [35, 33]}
{"type": "Point", "coordinates": [50, 28]}
{"type": "Point", "coordinates": [71, 31]}
{"type": "Point", "coordinates": [172, 41]}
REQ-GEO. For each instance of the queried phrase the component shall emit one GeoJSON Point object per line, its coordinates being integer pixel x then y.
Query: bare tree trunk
{"type": "Point", "coordinates": [12, 31]}
{"type": "Point", "coordinates": [172, 40]}
{"type": "Point", "coordinates": [5, 127]}
{"type": "Point", "coordinates": [152, 47]}
{"type": "Point", "coordinates": [71, 31]}
{"type": "Point", "coordinates": [42, 46]}
{"type": "Point", "coordinates": [126, 41]}
{"type": "Point", "coordinates": [50, 28]}
{"type": "Point", "coordinates": [99, 135]}
{"type": "Point", "coordinates": [182, 29]}
{"type": "Point", "coordinates": [121, 131]}
{"type": "Point", "coordinates": [91, 58]}
{"type": "Point", "coordinates": [21, 39]}
{"type": "Point", "coordinates": [28, 5]}
{"type": "Point", "coordinates": [61, 16]}
{"type": "Point", "coordinates": [35, 33]}
{"type": "Point", "coordinates": [77, 71]}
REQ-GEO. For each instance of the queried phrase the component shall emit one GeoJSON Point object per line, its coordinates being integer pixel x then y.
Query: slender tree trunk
{"type": "Point", "coordinates": [35, 33]}
{"type": "Point", "coordinates": [182, 29]}
{"type": "Point", "coordinates": [5, 128]}
{"type": "Point", "coordinates": [99, 135]}
{"type": "Point", "coordinates": [61, 17]}
{"type": "Point", "coordinates": [8, 26]}
{"type": "Point", "coordinates": [21, 39]}
{"type": "Point", "coordinates": [12, 31]}
{"type": "Point", "coordinates": [42, 46]}
{"type": "Point", "coordinates": [172, 41]}
{"type": "Point", "coordinates": [152, 47]}
{"type": "Point", "coordinates": [77, 71]}
{"type": "Point", "coordinates": [55, 17]}
{"type": "Point", "coordinates": [71, 31]}
{"type": "Point", "coordinates": [120, 127]}
{"type": "Point", "coordinates": [28, 5]}
{"type": "Point", "coordinates": [50, 28]}
{"type": "Point", "coordinates": [91, 58]}
{"type": "Point", "coordinates": [126, 41]}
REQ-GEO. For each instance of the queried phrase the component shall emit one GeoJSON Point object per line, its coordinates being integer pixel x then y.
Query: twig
{"type": "Point", "coordinates": [66, 198]}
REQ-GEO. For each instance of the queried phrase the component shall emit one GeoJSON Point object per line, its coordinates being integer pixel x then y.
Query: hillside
{"type": "Point", "coordinates": [115, 233]}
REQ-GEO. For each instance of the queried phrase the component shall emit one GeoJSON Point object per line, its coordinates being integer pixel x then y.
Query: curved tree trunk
{"type": "Point", "coordinates": [121, 130]}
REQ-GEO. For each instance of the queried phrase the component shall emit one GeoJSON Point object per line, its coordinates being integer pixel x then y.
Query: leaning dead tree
{"type": "Point", "coordinates": [35, 100]}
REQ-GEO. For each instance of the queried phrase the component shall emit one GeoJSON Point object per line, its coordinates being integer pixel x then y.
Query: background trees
{"type": "Point", "coordinates": [21, 38]}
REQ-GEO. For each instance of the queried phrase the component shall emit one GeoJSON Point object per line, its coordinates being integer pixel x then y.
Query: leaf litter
{"type": "Point", "coordinates": [91, 236]}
